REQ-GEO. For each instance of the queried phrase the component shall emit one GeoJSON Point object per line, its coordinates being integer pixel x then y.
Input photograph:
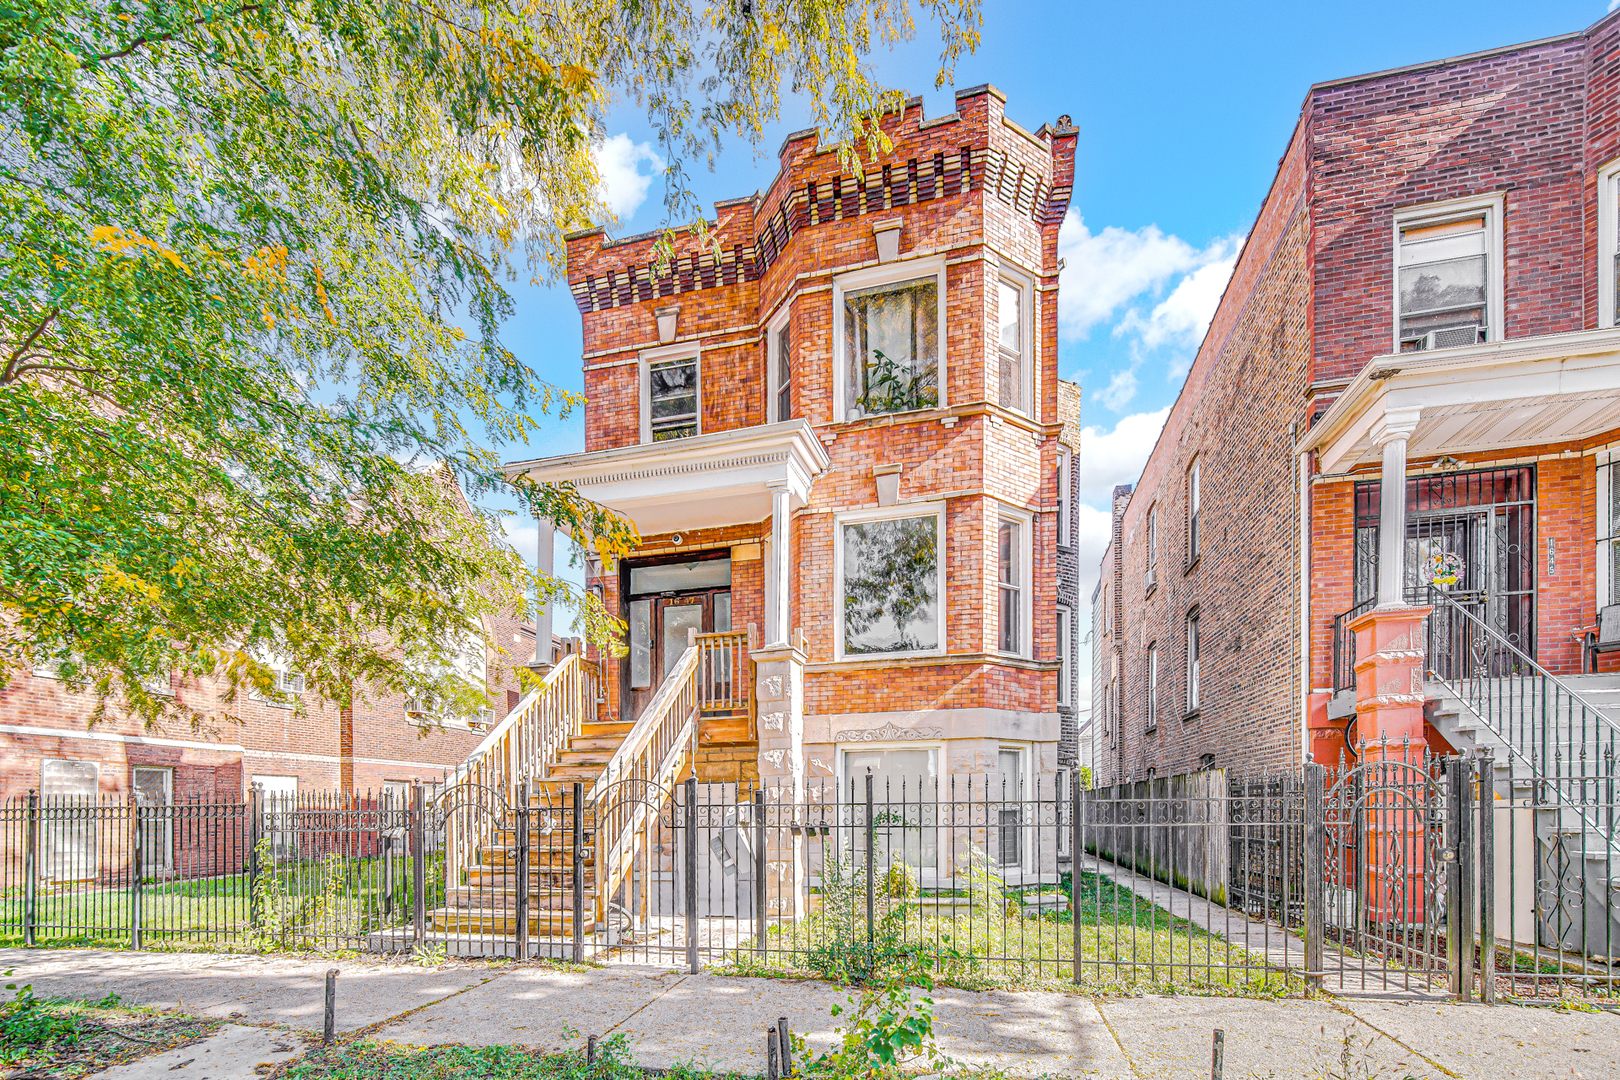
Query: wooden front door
{"type": "Point", "coordinates": [659, 627]}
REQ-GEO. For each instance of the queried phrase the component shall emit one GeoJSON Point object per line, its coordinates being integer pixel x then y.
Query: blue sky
{"type": "Point", "coordinates": [1183, 111]}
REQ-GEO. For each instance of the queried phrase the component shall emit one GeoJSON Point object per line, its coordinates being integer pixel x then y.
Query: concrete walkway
{"type": "Point", "coordinates": [720, 1021]}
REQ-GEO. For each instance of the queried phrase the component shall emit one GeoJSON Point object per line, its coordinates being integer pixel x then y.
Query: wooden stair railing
{"type": "Point", "coordinates": [521, 747]}
{"type": "Point", "coordinates": [727, 676]}
{"type": "Point", "coordinates": [632, 788]}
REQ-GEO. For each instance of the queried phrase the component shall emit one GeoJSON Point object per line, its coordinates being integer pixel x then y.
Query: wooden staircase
{"type": "Point", "coordinates": [554, 746]}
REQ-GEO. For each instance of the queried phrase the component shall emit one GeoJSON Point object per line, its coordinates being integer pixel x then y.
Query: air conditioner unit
{"type": "Point", "coordinates": [1450, 338]}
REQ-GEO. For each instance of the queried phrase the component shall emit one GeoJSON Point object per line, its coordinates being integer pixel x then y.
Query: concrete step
{"type": "Point", "coordinates": [492, 920]}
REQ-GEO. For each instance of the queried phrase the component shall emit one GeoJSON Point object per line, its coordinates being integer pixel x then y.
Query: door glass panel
{"type": "Point", "coordinates": [722, 612]}
{"type": "Point", "coordinates": [680, 577]}
{"type": "Point", "coordinates": [677, 620]}
{"type": "Point", "coordinates": [640, 644]}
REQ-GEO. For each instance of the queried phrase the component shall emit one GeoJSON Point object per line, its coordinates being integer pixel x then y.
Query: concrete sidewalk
{"type": "Point", "coordinates": [720, 1021]}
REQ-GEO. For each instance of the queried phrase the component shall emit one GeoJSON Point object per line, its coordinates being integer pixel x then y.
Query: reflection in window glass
{"type": "Point", "coordinates": [784, 377]}
{"type": "Point", "coordinates": [680, 577]}
{"type": "Point", "coordinates": [891, 345]}
{"type": "Point", "coordinates": [640, 644]}
{"type": "Point", "coordinates": [902, 781]}
{"type": "Point", "coordinates": [672, 394]}
{"type": "Point", "coordinates": [1008, 587]}
{"type": "Point", "coordinates": [891, 585]}
{"type": "Point", "coordinates": [1012, 346]}
{"type": "Point", "coordinates": [1443, 285]}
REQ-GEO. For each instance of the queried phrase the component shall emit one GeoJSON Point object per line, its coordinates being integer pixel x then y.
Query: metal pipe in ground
{"type": "Point", "coordinates": [1217, 1056]}
{"type": "Point", "coordinates": [331, 1006]}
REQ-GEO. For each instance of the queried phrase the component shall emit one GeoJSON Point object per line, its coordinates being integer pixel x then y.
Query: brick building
{"type": "Point", "coordinates": [1412, 380]}
{"type": "Point", "coordinates": [307, 744]}
{"type": "Point", "coordinates": [841, 435]}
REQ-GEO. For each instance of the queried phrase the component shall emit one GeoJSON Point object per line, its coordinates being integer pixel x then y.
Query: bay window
{"type": "Point", "coordinates": [889, 337]}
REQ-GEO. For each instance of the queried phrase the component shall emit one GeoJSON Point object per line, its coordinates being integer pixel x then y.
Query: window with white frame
{"type": "Point", "coordinates": [890, 337]}
{"type": "Point", "coordinates": [71, 849]}
{"type": "Point", "coordinates": [1007, 795]}
{"type": "Point", "coordinates": [1447, 275]}
{"type": "Point", "coordinates": [288, 683]}
{"type": "Point", "coordinates": [1193, 646]}
{"type": "Point", "coordinates": [1609, 244]}
{"type": "Point", "coordinates": [890, 584]}
{"type": "Point", "coordinates": [1012, 566]}
{"type": "Point", "coordinates": [1152, 576]}
{"type": "Point", "coordinates": [780, 367]}
{"type": "Point", "coordinates": [1013, 340]}
{"type": "Point", "coordinates": [1065, 525]}
{"type": "Point", "coordinates": [903, 778]}
{"type": "Point", "coordinates": [672, 398]}
{"type": "Point", "coordinates": [1065, 653]}
{"type": "Point", "coordinates": [1194, 504]}
{"type": "Point", "coordinates": [154, 795]}
{"type": "Point", "coordinates": [1608, 530]}
{"type": "Point", "coordinates": [1152, 685]}
{"type": "Point", "coordinates": [1107, 612]}
{"type": "Point", "coordinates": [459, 696]}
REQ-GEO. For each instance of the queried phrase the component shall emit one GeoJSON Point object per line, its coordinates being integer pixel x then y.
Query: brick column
{"type": "Point", "coordinates": [1389, 724]}
{"type": "Point", "coordinates": [779, 705]}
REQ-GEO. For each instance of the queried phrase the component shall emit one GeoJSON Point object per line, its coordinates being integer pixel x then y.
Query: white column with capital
{"type": "Point", "coordinates": [779, 575]}
{"type": "Point", "coordinates": [1391, 433]}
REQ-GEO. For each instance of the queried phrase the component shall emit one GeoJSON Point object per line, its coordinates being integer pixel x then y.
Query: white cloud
{"type": "Point", "coordinates": [1119, 391]}
{"type": "Point", "coordinates": [1108, 458]}
{"type": "Point", "coordinates": [623, 185]}
{"type": "Point", "coordinates": [1102, 272]}
{"type": "Point", "coordinates": [1182, 317]}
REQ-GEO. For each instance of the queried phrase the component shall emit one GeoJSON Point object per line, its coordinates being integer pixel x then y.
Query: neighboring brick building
{"type": "Point", "coordinates": [843, 427]}
{"type": "Point", "coordinates": [1426, 299]}
{"type": "Point", "coordinates": [48, 745]}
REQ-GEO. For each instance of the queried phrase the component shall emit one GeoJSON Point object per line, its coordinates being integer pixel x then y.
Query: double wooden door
{"type": "Point", "coordinates": [659, 627]}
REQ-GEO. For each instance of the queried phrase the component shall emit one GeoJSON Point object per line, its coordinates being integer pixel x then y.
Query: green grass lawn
{"type": "Point", "coordinates": [1127, 945]}
{"type": "Point", "coordinates": [369, 1060]}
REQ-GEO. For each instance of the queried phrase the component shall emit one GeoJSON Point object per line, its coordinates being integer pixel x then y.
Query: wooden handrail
{"type": "Point", "coordinates": [726, 677]}
{"type": "Point", "coordinates": [521, 747]}
{"type": "Point", "coordinates": [635, 781]}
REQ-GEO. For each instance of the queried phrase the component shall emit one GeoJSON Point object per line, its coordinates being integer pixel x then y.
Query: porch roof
{"type": "Point", "coordinates": [724, 478]}
{"type": "Point", "coordinates": [1520, 392]}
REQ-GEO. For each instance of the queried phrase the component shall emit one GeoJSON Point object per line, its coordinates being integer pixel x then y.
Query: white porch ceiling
{"type": "Point", "coordinates": [706, 481]}
{"type": "Point", "coordinates": [1519, 393]}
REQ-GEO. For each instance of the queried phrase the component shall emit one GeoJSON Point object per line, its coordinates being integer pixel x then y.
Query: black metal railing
{"type": "Point", "coordinates": [1344, 645]}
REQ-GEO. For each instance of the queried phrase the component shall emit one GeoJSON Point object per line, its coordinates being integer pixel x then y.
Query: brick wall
{"type": "Point", "coordinates": [971, 189]}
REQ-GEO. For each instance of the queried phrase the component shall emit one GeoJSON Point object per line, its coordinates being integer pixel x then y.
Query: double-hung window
{"type": "Point", "coordinates": [1065, 486]}
{"type": "Point", "coordinates": [890, 340]}
{"type": "Point", "coordinates": [1013, 339]}
{"type": "Point", "coordinates": [1194, 504]}
{"type": "Point", "coordinates": [1010, 591]}
{"type": "Point", "coordinates": [1447, 275]}
{"type": "Point", "coordinates": [1152, 575]}
{"type": "Point", "coordinates": [1609, 244]}
{"type": "Point", "coordinates": [1152, 685]}
{"type": "Point", "coordinates": [672, 398]}
{"type": "Point", "coordinates": [780, 384]}
{"type": "Point", "coordinates": [1193, 647]}
{"type": "Point", "coordinates": [891, 585]}
{"type": "Point", "coordinates": [1065, 652]}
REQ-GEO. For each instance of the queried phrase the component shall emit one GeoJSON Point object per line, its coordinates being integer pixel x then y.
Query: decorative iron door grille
{"type": "Point", "coordinates": [1472, 534]}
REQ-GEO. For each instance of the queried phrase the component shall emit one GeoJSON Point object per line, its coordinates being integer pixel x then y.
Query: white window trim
{"type": "Point", "coordinates": [1194, 695]}
{"type": "Point", "coordinates": [773, 379]}
{"type": "Point", "coordinates": [889, 273]}
{"type": "Point", "coordinates": [1195, 510]}
{"type": "Point", "coordinates": [167, 819]}
{"type": "Point", "coordinates": [1608, 244]}
{"type": "Point", "coordinates": [1150, 523]}
{"type": "Point", "coordinates": [888, 513]}
{"type": "Point", "coordinates": [1026, 355]}
{"type": "Point", "coordinates": [842, 771]}
{"type": "Point", "coordinates": [1438, 213]}
{"type": "Point", "coordinates": [1152, 680]}
{"type": "Point", "coordinates": [1021, 797]}
{"type": "Point", "coordinates": [1065, 654]}
{"type": "Point", "coordinates": [1065, 482]}
{"type": "Point", "coordinates": [1606, 469]}
{"type": "Point", "coordinates": [685, 350]}
{"type": "Point", "coordinates": [1026, 604]}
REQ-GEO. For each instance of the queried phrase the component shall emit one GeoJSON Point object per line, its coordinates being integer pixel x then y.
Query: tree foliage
{"type": "Point", "coordinates": [254, 270]}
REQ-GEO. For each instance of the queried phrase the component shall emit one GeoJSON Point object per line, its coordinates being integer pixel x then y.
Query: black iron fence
{"type": "Point", "coordinates": [1395, 870]}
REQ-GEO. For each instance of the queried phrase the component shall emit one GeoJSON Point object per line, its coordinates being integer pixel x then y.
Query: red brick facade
{"type": "Point", "coordinates": [1310, 303]}
{"type": "Point", "coordinates": [975, 197]}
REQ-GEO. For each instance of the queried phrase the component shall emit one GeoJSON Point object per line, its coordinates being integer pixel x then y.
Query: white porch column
{"type": "Point", "coordinates": [544, 562]}
{"type": "Point", "coordinates": [780, 572]}
{"type": "Point", "coordinates": [1391, 434]}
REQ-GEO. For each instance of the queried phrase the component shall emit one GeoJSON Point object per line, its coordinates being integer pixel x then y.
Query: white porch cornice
{"type": "Point", "coordinates": [1519, 392]}
{"type": "Point", "coordinates": [725, 478]}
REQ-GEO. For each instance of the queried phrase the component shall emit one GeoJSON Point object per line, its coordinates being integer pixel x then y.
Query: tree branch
{"type": "Point", "coordinates": [10, 373]}
{"type": "Point", "coordinates": [143, 41]}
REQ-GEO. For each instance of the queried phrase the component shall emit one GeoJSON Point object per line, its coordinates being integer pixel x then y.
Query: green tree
{"type": "Point", "coordinates": [253, 278]}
